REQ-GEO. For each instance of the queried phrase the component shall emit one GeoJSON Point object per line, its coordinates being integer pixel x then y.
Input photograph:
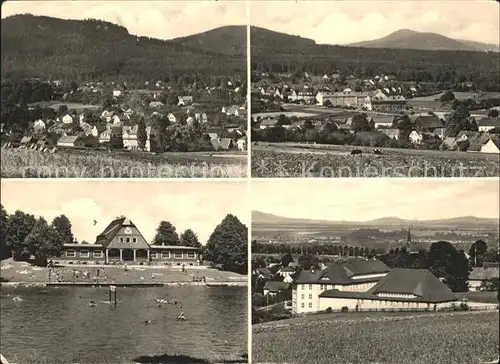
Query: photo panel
{"type": "Point", "coordinates": [406, 266]}
{"type": "Point", "coordinates": [343, 89]}
{"type": "Point", "coordinates": [124, 271]}
{"type": "Point", "coordinates": [121, 90]}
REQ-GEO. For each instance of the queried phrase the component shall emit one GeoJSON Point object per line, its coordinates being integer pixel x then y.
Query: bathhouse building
{"type": "Point", "coordinates": [122, 242]}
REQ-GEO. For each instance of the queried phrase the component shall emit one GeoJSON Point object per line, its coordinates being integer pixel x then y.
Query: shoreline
{"type": "Point", "coordinates": [131, 284]}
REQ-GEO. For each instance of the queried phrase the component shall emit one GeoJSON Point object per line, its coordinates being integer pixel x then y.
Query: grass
{"type": "Point", "coordinates": [98, 164]}
{"type": "Point", "coordinates": [295, 160]}
{"type": "Point", "coordinates": [469, 337]}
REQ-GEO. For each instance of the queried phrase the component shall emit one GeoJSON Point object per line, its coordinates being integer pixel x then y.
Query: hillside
{"type": "Point", "coordinates": [263, 219]}
{"type": "Point", "coordinates": [409, 39]}
{"type": "Point", "coordinates": [39, 46]}
{"type": "Point", "coordinates": [283, 53]}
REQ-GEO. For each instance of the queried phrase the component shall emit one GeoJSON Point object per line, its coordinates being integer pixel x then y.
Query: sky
{"type": "Point", "coordinates": [158, 19]}
{"type": "Point", "coordinates": [198, 204]}
{"type": "Point", "coordinates": [368, 199]}
{"type": "Point", "coordinates": [349, 21]}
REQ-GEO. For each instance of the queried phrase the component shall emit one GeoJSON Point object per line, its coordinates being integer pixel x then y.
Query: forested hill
{"type": "Point", "coordinates": [39, 46]}
{"type": "Point", "coordinates": [277, 52]}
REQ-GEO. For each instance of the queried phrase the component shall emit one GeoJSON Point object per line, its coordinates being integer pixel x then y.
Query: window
{"type": "Point", "coordinates": [310, 305]}
{"type": "Point", "coordinates": [134, 240]}
{"type": "Point", "coordinates": [310, 286]}
{"type": "Point", "coordinates": [154, 255]}
{"type": "Point", "coordinates": [84, 254]}
{"type": "Point", "coordinates": [310, 296]}
{"type": "Point", "coordinates": [302, 305]}
{"type": "Point", "coordinates": [302, 296]}
{"type": "Point", "coordinates": [128, 240]}
{"type": "Point", "coordinates": [191, 255]}
{"type": "Point", "coordinates": [121, 240]}
{"type": "Point", "coordinates": [97, 254]}
{"type": "Point", "coordinates": [178, 255]}
{"type": "Point", "coordinates": [70, 253]}
{"type": "Point", "coordinates": [165, 254]}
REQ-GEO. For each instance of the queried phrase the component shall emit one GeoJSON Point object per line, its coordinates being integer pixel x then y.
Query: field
{"type": "Point", "coordinates": [461, 337]}
{"type": "Point", "coordinates": [100, 164]}
{"type": "Point", "coordinates": [70, 105]}
{"type": "Point", "coordinates": [313, 160]}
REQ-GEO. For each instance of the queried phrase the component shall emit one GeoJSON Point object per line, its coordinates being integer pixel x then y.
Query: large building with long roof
{"type": "Point", "coordinates": [122, 242]}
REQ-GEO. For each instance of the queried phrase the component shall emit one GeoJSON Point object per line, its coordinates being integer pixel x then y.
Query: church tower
{"type": "Point", "coordinates": [408, 238]}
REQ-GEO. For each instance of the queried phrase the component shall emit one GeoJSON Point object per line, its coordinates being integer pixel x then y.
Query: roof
{"type": "Point", "coordinates": [82, 245]}
{"type": "Point", "coordinates": [109, 233]}
{"type": "Point", "coordinates": [428, 121]}
{"type": "Point", "coordinates": [418, 282]}
{"type": "Point", "coordinates": [273, 286]}
{"type": "Point", "coordinates": [449, 142]}
{"type": "Point", "coordinates": [343, 272]}
{"type": "Point", "coordinates": [493, 122]}
{"type": "Point", "coordinates": [264, 271]}
{"type": "Point", "coordinates": [477, 141]}
{"type": "Point", "coordinates": [69, 139]}
{"type": "Point", "coordinates": [288, 270]}
{"type": "Point", "coordinates": [174, 247]}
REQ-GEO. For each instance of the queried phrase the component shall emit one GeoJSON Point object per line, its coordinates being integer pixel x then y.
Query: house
{"type": "Point", "coordinates": [117, 93]}
{"type": "Point", "coordinates": [487, 124]}
{"type": "Point", "coordinates": [242, 143]}
{"type": "Point", "coordinates": [440, 133]}
{"type": "Point", "coordinates": [353, 275]}
{"type": "Point", "coordinates": [171, 117]}
{"type": "Point", "coordinates": [492, 146]}
{"type": "Point", "coordinates": [107, 115]}
{"type": "Point", "coordinates": [129, 135]}
{"type": "Point", "coordinates": [481, 275]}
{"type": "Point", "coordinates": [401, 289]}
{"type": "Point", "coordinates": [268, 123]}
{"type": "Point", "coordinates": [273, 288]}
{"type": "Point", "coordinates": [184, 100]}
{"type": "Point", "coordinates": [263, 273]}
{"type": "Point", "coordinates": [70, 141]}
{"type": "Point", "coordinates": [416, 137]}
{"type": "Point", "coordinates": [287, 274]}
{"type": "Point", "coordinates": [466, 135]}
{"type": "Point", "coordinates": [222, 144]}
{"type": "Point", "coordinates": [38, 125]}
{"type": "Point", "coordinates": [156, 104]}
{"type": "Point", "coordinates": [392, 104]}
{"type": "Point", "coordinates": [344, 99]}
{"type": "Point", "coordinates": [427, 123]}
{"type": "Point", "coordinates": [449, 143]}
{"type": "Point", "coordinates": [122, 242]}
{"type": "Point", "coordinates": [478, 141]}
{"type": "Point", "coordinates": [67, 119]}
{"type": "Point", "coordinates": [391, 133]}
{"type": "Point", "coordinates": [26, 140]}
{"type": "Point", "coordinates": [383, 121]}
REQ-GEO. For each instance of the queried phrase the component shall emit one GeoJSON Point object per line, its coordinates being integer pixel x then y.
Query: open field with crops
{"type": "Point", "coordinates": [314, 160]}
{"type": "Point", "coordinates": [101, 164]}
{"type": "Point", "coordinates": [459, 337]}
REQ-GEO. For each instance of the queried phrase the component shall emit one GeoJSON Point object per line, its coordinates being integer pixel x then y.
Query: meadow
{"type": "Point", "coordinates": [459, 337]}
{"type": "Point", "coordinates": [100, 164]}
{"type": "Point", "coordinates": [308, 160]}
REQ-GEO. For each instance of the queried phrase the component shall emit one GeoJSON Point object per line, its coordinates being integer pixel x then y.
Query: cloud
{"type": "Point", "coordinates": [343, 22]}
{"type": "Point", "coordinates": [163, 20]}
{"type": "Point", "coordinates": [367, 199]}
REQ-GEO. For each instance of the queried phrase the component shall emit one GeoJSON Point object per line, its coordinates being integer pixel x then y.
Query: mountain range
{"type": "Point", "coordinates": [266, 219]}
{"type": "Point", "coordinates": [410, 39]}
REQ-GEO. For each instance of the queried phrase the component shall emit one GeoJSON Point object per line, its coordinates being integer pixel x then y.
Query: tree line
{"type": "Point", "coordinates": [23, 235]}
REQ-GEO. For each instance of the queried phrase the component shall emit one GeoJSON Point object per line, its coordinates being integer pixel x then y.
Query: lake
{"type": "Point", "coordinates": [60, 327]}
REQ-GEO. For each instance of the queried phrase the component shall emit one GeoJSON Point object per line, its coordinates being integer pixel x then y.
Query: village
{"type": "Point", "coordinates": [381, 111]}
{"type": "Point", "coordinates": [156, 117]}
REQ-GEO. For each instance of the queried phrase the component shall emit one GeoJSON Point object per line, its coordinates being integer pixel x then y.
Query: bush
{"type": "Point", "coordinates": [345, 309]}
{"type": "Point", "coordinates": [328, 310]}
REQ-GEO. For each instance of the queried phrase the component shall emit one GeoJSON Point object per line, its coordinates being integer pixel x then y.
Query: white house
{"type": "Point", "coordinates": [491, 147]}
{"type": "Point", "coordinates": [287, 274]}
{"type": "Point", "coordinates": [354, 275]}
{"type": "Point", "coordinates": [39, 125]}
{"type": "Point", "coordinates": [67, 119]}
{"type": "Point", "coordinates": [242, 143]}
{"type": "Point", "coordinates": [487, 124]}
{"type": "Point", "coordinates": [171, 117]}
{"type": "Point", "coordinates": [129, 135]}
{"type": "Point", "coordinates": [401, 289]}
{"type": "Point", "coordinates": [116, 93]}
{"type": "Point", "coordinates": [70, 141]}
{"type": "Point", "coordinates": [415, 137]}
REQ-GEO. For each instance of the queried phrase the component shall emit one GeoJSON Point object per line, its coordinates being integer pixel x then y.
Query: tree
{"type": "Point", "coordinates": [227, 245]}
{"type": "Point", "coordinates": [444, 261]}
{"type": "Point", "coordinates": [189, 238]}
{"type": "Point", "coordinates": [18, 228]}
{"type": "Point", "coordinates": [447, 96]}
{"type": "Point", "coordinates": [308, 261]}
{"type": "Point", "coordinates": [360, 123]}
{"type": "Point", "coordinates": [166, 234]}
{"type": "Point", "coordinates": [4, 220]}
{"type": "Point", "coordinates": [40, 241]}
{"type": "Point", "coordinates": [63, 110]}
{"type": "Point", "coordinates": [493, 113]}
{"type": "Point", "coordinates": [62, 233]}
{"type": "Point", "coordinates": [141, 135]}
{"type": "Point", "coordinates": [477, 253]}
